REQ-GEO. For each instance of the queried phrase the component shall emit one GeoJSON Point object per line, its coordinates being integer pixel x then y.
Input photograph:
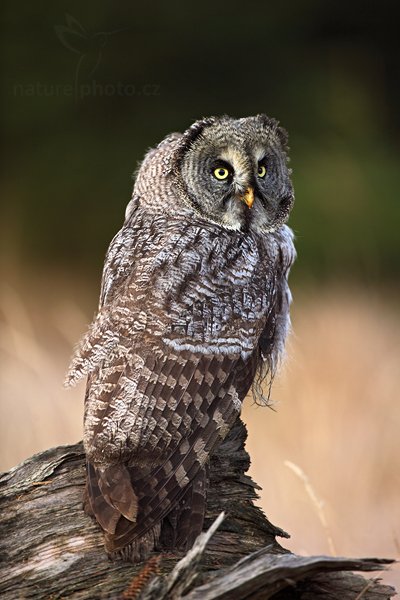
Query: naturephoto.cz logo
{"type": "Point", "coordinates": [89, 48]}
{"type": "Point", "coordinates": [82, 90]}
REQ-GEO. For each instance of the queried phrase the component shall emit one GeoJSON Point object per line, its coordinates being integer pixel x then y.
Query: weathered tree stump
{"type": "Point", "coordinates": [50, 549]}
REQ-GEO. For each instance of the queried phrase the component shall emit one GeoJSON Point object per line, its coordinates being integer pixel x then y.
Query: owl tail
{"type": "Point", "coordinates": [110, 499]}
{"type": "Point", "coordinates": [176, 530]}
{"type": "Point", "coordinates": [109, 494]}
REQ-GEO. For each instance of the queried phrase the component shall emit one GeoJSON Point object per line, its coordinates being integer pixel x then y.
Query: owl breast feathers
{"type": "Point", "coordinates": [194, 310]}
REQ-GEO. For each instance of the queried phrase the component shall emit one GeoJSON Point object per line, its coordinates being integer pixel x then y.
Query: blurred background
{"type": "Point", "coordinates": [87, 88]}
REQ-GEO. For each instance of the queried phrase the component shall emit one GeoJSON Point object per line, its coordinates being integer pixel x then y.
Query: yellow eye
{"type": "Point", "coordinates": [261, 171]}
{"type": "Point", "coordinates": [221, 173]}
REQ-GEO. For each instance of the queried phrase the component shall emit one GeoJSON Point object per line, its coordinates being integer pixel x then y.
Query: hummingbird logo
{"type": "Point", "coordinates": [87, 45]}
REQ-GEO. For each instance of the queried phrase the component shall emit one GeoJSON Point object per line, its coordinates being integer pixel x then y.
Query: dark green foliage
{"type": "Point", "coordinates": [87, 92]}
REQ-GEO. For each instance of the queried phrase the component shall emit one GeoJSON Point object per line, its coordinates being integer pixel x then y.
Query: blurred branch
{"type": "Point", "coordinates": [50, 549]}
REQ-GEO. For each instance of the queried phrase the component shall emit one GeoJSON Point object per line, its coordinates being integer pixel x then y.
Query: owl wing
{"type": "Point", "coordinates": [212, 401]}
{"type": "Point", "coordinates": [188, 401]}
{"type": "Point", "coordinates": [176, 405]}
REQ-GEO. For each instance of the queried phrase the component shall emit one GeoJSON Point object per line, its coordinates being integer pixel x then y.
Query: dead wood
{"type": "Point", "coordinates": [49, 549]}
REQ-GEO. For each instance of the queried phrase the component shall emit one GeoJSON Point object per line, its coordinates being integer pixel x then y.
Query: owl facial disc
{"type": "Point", "coordinates": [227, 166]}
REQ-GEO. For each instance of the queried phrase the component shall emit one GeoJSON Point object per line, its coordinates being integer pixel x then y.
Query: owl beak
{"type": "Point", "coordinates": [248, 197]}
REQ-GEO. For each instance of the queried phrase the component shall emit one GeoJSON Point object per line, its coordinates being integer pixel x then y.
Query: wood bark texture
{"type": "Point", "coordinates": [49, 549]}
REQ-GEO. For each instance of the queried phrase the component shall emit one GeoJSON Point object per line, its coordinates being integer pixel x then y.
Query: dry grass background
{"type": "Point", "coordinates": [336, 417]}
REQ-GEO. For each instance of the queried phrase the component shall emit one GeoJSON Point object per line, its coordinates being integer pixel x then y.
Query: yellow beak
{"type": "Point", "coordinates": [248, 197]}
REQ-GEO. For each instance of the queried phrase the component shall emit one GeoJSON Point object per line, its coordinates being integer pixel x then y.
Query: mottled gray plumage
{"type": "Point", "coordinates": [194, 309]}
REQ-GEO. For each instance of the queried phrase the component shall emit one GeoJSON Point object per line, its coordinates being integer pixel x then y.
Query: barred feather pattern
{"type": "Point", "coordinates": [191, 315]}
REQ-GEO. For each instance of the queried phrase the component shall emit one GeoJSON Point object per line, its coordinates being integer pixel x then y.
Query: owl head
{"type": "Point", "coordinates": [232, 172]}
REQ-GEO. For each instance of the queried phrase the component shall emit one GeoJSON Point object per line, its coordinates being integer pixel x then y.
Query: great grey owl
{"type": "Point", "coordinates": [194, 310]}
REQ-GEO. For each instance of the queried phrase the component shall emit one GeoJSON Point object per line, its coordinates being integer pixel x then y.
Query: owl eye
{"type": "Point", "coordinates": [261, 171]}
{"type": "Point", "coordinates": [221, 173]}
